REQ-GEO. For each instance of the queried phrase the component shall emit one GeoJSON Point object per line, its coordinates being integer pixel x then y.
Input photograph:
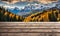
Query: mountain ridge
{"type": "Point", "coordinates": [50, 15]}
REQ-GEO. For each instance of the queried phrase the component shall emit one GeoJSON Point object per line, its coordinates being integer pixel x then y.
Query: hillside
{"type": "Point", "coordinates": [50, 15]}
{"type": "Point", "coordinates": [8, 16]}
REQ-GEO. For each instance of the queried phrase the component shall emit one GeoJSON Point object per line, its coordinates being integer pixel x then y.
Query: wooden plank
{"type": "Point", "coordinates": [29, 25]}
{"type": "Point", "coordinates": [30, 34]}
{"type": "Point", "coordinates": [29, 29]}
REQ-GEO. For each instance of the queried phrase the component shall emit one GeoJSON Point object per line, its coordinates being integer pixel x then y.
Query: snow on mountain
{"type": "Point", "coordinates": [25, 8]}
{"type": "Point", "coordinates": [14, 10]}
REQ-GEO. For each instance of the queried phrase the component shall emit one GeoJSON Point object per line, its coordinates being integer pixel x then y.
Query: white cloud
{"type": "Point", "coordinates": [11, 1]}
{"type": "Point", "coordinates": [48, 1]}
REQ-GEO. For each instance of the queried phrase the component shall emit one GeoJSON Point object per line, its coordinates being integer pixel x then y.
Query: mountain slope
{"type": "Point", "coordinates": [50, 15]}
{"type": "Point", "coordinates": [8, 16]}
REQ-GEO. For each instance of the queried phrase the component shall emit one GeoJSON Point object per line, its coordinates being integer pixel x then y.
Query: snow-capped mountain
{"type": "Point", "coordinates": [35, 7]}
{"type": "Point", "coordinates": [14, 10]}
{"type": "Point", "coordinates": [24, 8]}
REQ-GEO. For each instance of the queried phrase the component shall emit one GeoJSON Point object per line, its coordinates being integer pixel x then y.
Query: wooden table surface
{"type": "Point", "coordinates": [29, 29]}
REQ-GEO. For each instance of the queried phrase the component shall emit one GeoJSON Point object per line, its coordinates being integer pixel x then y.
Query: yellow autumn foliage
{"type": "Point", "coordinates": [17, 17]}
{"type": "Point", "coordinates": [10, 15]}
{"type": "Point", "coordinates": [5, 13]}
{"type": "Point", "coordinates": [13, 15]}
{"type": "Point", "coordinates": [44, 16]}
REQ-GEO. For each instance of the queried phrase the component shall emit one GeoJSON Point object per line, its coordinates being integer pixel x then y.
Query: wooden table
{"type": "Point", "coordinates": [29, 29]}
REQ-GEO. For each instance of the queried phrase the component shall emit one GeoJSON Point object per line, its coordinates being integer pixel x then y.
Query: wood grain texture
{"type": "Point", "coordinates": [29, 29]}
